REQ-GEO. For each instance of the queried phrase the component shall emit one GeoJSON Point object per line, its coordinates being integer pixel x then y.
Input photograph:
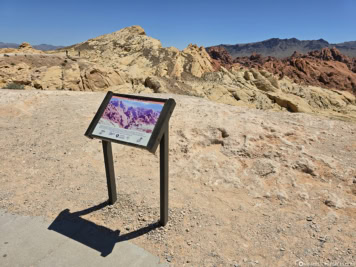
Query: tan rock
{"type": "Point", "coordinates": [48, 78]}
{"type": "Point", "coordinates": [23, 48]}
{"type": "Point", "coordinates": [57, 72]}
{"type": "Point", "coordinates": [290, 102]}
{"type": "Point", "coordinates": [132, 52]}
{"type": "Point", "coordinates": [99, 79]}
{"type": "Point", "coordinates": [72, 79]}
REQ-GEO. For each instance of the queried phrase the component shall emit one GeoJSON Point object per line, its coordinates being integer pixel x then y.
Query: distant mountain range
{"type": "Point", "coordinates": [43, 47]}
{"type": "Point", "coordinates": [281, 48]}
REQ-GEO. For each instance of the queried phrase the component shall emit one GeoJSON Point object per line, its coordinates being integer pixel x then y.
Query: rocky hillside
{"type": "Point", "coordinates": [129, 61]}
{"type": "Point", "coordinates": [143, 62]}
{"type": "Point", "coordinates": [138, 56]}
{"type": "Point", "coordinates": [281, 48]}
{"type": "Point", "coordinates": [327, 68]}
{"type": "Point", "coordinates": [35, 69]}
{"type": "Point", "coordinates": [247, 187]}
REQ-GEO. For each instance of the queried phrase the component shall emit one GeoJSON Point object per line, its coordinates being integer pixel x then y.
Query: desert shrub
{"type": "Point", "coordinates": [14, 86]}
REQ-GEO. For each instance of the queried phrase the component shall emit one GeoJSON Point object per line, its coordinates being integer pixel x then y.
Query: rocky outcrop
{"type": "Point", "coordinates": [220, 57]}
{"type": "Point", "coordinates": [327, 68]}
{"type": "Point", "coordinates": [54, 72]}
{"type": "Point", "coordinates": [23, 48]}
{"type": "Point", "coordinates": [137, 56]}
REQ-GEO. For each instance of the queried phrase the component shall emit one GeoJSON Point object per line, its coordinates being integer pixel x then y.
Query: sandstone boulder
{"type": "Point", "coordinates": [152, 83]}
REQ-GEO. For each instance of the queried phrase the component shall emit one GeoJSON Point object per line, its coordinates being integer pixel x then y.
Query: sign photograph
{"type": "Point", "coordinates": [129, 120]}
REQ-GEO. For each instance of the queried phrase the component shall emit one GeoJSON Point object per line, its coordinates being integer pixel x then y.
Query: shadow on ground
{"type": "Point", "coordinates": [90, 234]}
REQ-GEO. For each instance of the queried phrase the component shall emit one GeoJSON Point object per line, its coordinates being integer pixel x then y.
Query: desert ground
{"type": "Point", "coordinates": [247, 187]}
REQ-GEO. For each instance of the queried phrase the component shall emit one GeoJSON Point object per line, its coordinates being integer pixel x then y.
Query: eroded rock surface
{"type": "Point", "coordinates": [245, 185]}
{"type": "Point", "coordinates": [137, 55]}
{"type": "Point", "coordinates": [56, 72]}
{"type": "Point", "coordinates": [326, 68]}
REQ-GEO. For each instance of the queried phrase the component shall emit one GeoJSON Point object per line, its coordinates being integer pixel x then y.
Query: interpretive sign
{"type": "Point", "coordinates": [131, 120]}
{"type": "Point", "coordinates": [135, 121]}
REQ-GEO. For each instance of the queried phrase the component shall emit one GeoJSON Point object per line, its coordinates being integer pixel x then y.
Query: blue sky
{"type": "Point", "coordinates": [178, 23]}
{"type": "Point", "coordinates": [142, 104]}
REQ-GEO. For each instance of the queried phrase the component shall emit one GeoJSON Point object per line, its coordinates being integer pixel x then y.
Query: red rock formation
{"type": "Point", "coordinates": [220, 53]}
{"type": "Point", "coordinates": [326, 68]}
{"type": "Point", "coordinates": [220, 57]}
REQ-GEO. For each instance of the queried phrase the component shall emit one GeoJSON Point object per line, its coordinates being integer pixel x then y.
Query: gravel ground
{"type": "Point", "coordinates": [247, 187]}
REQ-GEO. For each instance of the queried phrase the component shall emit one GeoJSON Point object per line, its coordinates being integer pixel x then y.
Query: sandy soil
{"type": "Point", "coordinates": [247, 187]}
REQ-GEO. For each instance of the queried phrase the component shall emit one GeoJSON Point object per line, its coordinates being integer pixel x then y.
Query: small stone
{"type": "Point", "coordinates": [309, 218]}
{"type": "Point", "coordinates": [282, 249]}
{"type": "Point", "coordinates": [322, 239]}
{"type": "Point", "coordinates": [169, 258]}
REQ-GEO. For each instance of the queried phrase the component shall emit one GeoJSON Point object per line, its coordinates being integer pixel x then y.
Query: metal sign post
{"type": "Point", "coordinates": [163, 155]}
{"type": "Point", "coordinates": [137, 121]}
{"type": "Point", "coordinates": [110, 173]}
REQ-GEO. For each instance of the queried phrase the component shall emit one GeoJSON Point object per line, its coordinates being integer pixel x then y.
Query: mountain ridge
{"type": "Point", "coordinates": [281, 48]}
{"type": "Point", "coordinates": [43, 47]}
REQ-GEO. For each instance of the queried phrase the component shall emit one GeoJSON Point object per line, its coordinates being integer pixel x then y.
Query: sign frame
{"type": "Point", "coordinates": [157, 132]}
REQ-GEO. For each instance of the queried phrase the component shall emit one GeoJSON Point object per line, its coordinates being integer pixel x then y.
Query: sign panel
{"type": "Point", "coordinates": [129, 119]}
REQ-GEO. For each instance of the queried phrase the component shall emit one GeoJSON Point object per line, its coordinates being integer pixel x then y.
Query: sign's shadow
{"type": "Point", "coordinates": [90, 234]}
